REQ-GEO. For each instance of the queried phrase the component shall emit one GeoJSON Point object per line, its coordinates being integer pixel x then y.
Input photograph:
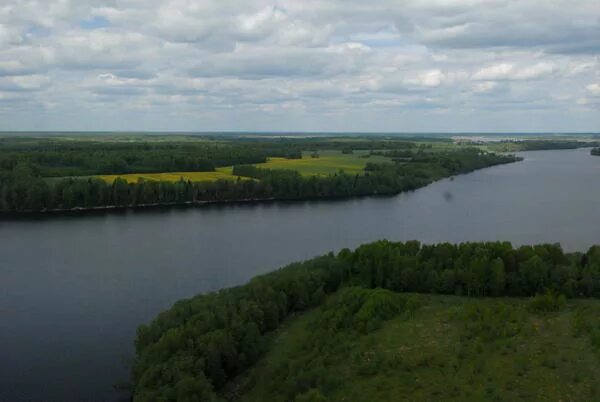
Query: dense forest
{"type": "Point", "coordinates": [198, 349]}
{"type": "Point", "coordinates": [538, 145]}
{"type": "Point", "coordinates": [76, 156]}
{"type": "Point", "coordinates": [48, 158]}
{"type": "Point", "coordinates": [27, 170]}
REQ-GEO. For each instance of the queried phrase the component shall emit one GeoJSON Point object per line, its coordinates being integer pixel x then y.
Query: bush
{"type": "Point", "coordinates": [547, 302]}
{"type": "Point", "coordinates": [579, 324]}
{"type": "Point", "coordinates": [313, 395]}
{"type": "Point", "coordinates": [362, 310]}
{"type": "Point", "coordinates": [491, 323]}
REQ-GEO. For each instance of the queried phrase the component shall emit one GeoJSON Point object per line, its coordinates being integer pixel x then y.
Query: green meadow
{"type": "Point", "coordinates": [327, 163]}
{"type": "Point", "coordinates": [219, 173]}
{"type": "Point", "coordinates": [445, 348]}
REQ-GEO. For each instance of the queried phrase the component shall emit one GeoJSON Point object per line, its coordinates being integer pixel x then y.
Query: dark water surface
{"type": "Point", "coordinates": [74, 288]}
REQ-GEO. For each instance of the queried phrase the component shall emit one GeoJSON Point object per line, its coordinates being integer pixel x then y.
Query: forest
{"type": "Point", "coordinates": [54, 175]}
{"type": "Point", "coordinates": [80, 156]}
{"type": "Point", "coordinates": [539, 145]}
{"type": "Point", "coordinates": [212, 347]}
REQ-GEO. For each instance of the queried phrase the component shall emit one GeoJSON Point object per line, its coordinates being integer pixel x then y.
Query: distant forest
{"type": "Point", "coordinates": [50, 174]}
{"type": "Point", "coordinates": [539, 145]}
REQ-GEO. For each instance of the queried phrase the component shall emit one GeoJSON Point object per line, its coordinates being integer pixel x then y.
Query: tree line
{"type": "Point", "coordinates": [538, 145]}
{"type": "Point", "coordinates": [77, 156]}
{"type": "Point", "coordinates": [59, 159]}
{"type": "Point", "coordinates": [193, 350]}
{"type": "Point", "coordinates": [23, 189]}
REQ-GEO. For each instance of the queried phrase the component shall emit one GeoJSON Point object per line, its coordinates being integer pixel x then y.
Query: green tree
{"type": "Point", "coordinates": [535, 274]}
{"type": "Point", "coordinates": [497, 277]}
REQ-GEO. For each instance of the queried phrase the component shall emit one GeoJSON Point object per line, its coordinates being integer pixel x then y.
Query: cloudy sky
{"type": "Point", "coordinates": [300, 65]}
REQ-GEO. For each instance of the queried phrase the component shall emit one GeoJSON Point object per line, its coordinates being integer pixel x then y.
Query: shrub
{"type": "Point", "coordinates": [491, 323]}
{"type": "Point", "coordinates": [547, 302]}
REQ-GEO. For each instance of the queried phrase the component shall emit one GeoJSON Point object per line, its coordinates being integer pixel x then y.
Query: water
{"type": "Point", "coordinates": [74, 288]}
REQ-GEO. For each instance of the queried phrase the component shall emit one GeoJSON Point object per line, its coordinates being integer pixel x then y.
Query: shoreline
{"type": "Point", "coordinates": [203, 203]}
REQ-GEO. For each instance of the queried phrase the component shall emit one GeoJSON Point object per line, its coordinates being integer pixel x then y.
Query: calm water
{"type": "Point", "coordinates": [74, 288]}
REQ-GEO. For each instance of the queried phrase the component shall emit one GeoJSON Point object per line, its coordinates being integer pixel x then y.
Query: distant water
{"type": "Point", "coordinates": [74, 288]}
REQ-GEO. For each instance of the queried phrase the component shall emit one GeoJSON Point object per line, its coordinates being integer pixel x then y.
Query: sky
{"type": "Point", "coordinates": [300, 65]}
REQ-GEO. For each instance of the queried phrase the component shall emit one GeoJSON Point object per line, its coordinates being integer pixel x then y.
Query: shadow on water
{"type": "Point", "coordinates": [181, 208]}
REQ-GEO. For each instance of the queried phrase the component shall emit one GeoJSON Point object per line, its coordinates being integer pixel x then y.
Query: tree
{"type": "Point", "coordinates": [535, 274]}
{"type": "Point", "coordinates": [312, 395]}
{"type": "Point", "coordinates": [194, 389]}
{"type": "Point", "coordinates": [497, 277]}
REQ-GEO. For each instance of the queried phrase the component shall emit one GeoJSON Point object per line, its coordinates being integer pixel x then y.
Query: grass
{"type": "Point", "coordinates": [220, 173]}
{"type": "Point", "coordinates": [328, 162]}
{"type": "Point", "coordinates": [450, 349]}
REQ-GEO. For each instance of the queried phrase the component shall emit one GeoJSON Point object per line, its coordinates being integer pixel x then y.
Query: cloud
{"type": "Point", "coordinates": [260, 62]}
{"type": "Point", "coordinates": [536, 71]}
{"type": "Point", "coordinates": [9, 36]}
{"type": "Point", "coordinates": [557, 26]}
{"type": "Point", "coordinates": [431, 78]}
{"type": "Point", "coordinates": [483, 87]}
{"type": "Point", "coordinates": [495, 72]}
{"type": "Point", "coordinates": [593, 89]}
{"type": "Point", "coordinates": [509, 71]}
{"type": "Point", "coordinates": [315, 64]}
{"type": "Point", "coordinates": [24, 83]}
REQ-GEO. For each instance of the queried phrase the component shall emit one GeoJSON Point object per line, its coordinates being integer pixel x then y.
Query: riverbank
{"type": "Point", "coordinates": [390, 191]}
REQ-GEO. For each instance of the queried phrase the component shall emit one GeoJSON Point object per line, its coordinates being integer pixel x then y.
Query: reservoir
{"type": "Point", "coordinates": [74, 287]}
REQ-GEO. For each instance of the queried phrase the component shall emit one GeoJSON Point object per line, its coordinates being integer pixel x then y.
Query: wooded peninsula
{"type": "Point", "coordinates": [79, 173]}
{"type": "Point", "coordinates": [66, 173]}
{"type": "Point", "coordinates": [387, 322]}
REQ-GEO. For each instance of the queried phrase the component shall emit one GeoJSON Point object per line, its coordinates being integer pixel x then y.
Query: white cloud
{"type": "Point", "coordinates": [508, 71]}
{"type": "Point", "coordinates": [431, 78]}
{"type": "Point", "coordinates": [487, 86]}
{"type": "Point", "coordinates": [321, 64]}
{"type": "Point", "coordinates": [9, 36]}
{"type": "Point", "coordinates": [495, 72]}
{"type": "Point", "coordinates": [261, 21]}
{"type": "Point", "coordinates": [21, 83]}
{"type": "Point", "coordinates": [593, 89]}
{"type": "Point", "coordinates": [535, 71]}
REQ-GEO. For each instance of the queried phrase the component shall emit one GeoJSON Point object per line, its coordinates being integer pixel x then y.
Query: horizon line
{"type": "Point", "coordinates": [284, 132]}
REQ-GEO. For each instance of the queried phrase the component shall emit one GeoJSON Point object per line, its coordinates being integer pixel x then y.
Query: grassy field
{"type": "Point", "coordinates": [328, 162]}
{"type": "Point", "coordinates": [220, 173]}
{"type": "Point", "coordinates": [449, 349]}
